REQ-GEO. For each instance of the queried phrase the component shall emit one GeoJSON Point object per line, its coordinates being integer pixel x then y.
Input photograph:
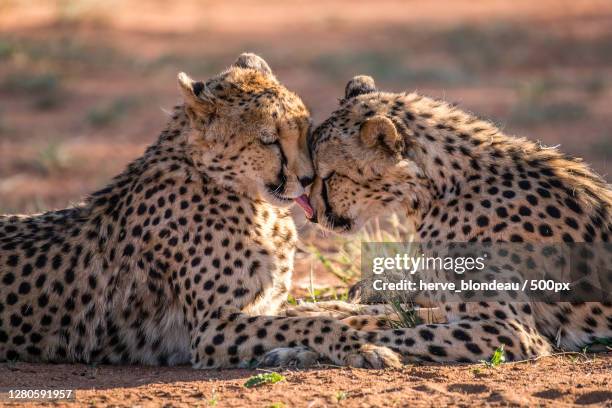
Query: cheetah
{"type": "Point", "coordinates": [460, 179]}
{"type": "Point", "coordinates": [186, 256]}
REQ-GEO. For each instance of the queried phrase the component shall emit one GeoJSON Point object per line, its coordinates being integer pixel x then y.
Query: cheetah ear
{"type": "Point", "coordinates": [194, 92]}
{"type": "Point", "coordinates": [199, 102]}
{"type": "Point", "coordinates": [252, 61]}
{"type": "Point", "coordinates": [380, 132]}
{"type": "Point", "coordinates": [359, 85]}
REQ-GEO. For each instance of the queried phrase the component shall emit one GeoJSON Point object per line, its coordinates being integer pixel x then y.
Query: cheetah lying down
{"type": "Point", "coordinates": [186, 256]}
{"type": "Point", "coordinates": [459, 179]}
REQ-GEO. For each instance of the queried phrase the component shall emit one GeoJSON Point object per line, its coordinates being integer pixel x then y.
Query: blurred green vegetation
{"type": "Point", "coordinates": [107, 113]}
{"type": "Point", "coordinates": [602, 147]}
{"type": "Point", "coordinates": [535, 103]}
{"type": "Point", "coordinates": [386, 65]}
{"type": "Point", "coordinates": [64, 51]}
{"type": "Point", "coordinates": [465, 55]}
{"type": "Point", "coordinates": [43, 88]}
{"type": "Point", "coordinates": [75, 12]}
{"type": "Point", "coordinates": [4, 126]}
{"type": "Point", "coordinates": [52, 157]}
{"type": "Point", "coordinates": [85, 78]}
{"type": "Point", "coordinates": [512, 46]}
{"type": "Point", "coordinates": [534, 112]}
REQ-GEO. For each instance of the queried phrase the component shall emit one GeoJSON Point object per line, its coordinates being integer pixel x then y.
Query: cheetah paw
{"type": "Point", "coordinates": [302, 309]}
{"type": "Point", "coordinates": [290, 356]}
{"type": "Point", "coordinates": [371, 356]}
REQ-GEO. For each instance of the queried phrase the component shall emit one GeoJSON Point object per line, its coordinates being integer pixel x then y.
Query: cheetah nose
{"type": "Point", "coordinates": [304, 202]}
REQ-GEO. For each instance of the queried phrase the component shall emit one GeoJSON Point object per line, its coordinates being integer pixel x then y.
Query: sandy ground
{"type": "Point", "coordinates": [550, 382]}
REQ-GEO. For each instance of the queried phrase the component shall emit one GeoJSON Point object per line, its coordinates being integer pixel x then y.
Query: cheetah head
{"type": "Point", "coordinates": [248, 132]}
{"type": "Point", "coordinates": [363, 162]}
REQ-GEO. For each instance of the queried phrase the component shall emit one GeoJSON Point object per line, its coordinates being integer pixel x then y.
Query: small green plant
{"type": "Point", "coordinates": [338, 264]}
{"type": "Point", "coordinates": [262, 379]}
{"type": "Point", "coordinates": [604, 341]}
{"type": "Point", "coordinates": [406, 314]}
{"type": "Point", "coordinates": [318, 294]}
{"type": "Point", "coordinates": [277, 405]}
{"type": "Point", "coordinates": [341, 395]}
{"type": "Point", "coordinates": [214, 399]}
{"type": "Point", "coordinates": [497, 358]}
{"type": "Point", "coordinates": [600, 344]}
{"type": "Point", "coordinates": [344, 261]}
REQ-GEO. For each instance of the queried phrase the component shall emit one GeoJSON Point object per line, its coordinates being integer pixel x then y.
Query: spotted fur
{"type": "Point", "coordinates": [187, 255]}
{"type": "Point", "coordinates": [460, 179]}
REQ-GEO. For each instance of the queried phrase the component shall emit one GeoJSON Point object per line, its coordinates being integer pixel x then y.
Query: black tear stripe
{"type": "Point", "coordinates": [310, 143]}
{"type": "Point", "coordinates": [336, 220]}
{"type": "Point", "coordinates": [275, 189]}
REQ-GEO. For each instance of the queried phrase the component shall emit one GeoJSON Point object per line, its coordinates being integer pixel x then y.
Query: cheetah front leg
{"type": "Point", "coordinates": [357, 316]}
{"type": "Point", "coordinates": [365, 317]}
{"type": "Point", "coordinates": [336, 308]}
{"type": "Point", "coordinates": [465, 340]}
{"type": "Point", "coordinates": [240, 339]}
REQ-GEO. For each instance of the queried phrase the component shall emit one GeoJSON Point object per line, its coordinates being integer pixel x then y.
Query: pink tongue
{"type": "Point", "coordinates": [303, 202]}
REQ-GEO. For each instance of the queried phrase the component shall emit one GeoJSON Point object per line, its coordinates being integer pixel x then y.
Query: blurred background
{"type": "Point", "coordinates": [83, 83]}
